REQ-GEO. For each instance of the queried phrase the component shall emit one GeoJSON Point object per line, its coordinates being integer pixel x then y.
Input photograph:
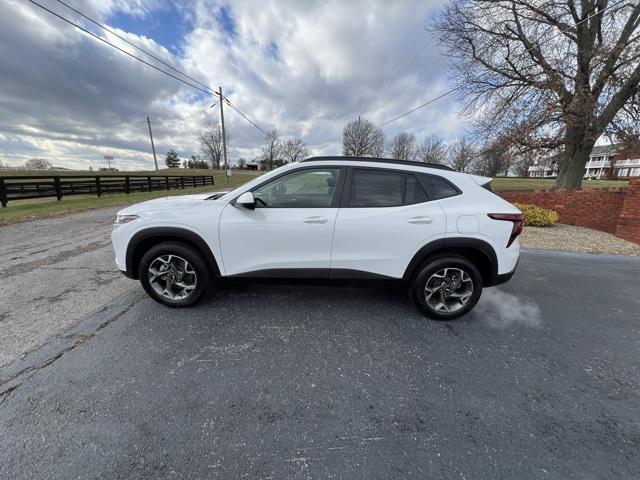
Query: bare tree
{"type": "Point", "coordinates": [271, 150]}
{"type": "Point", "coordinates": [37, 164]}
{"type": "Point", "coordinates": [360, 138]}
{"type": "Point", "coordinates": [211, 145]}
{"type": "Point", "coordinates": [553, 72]}
{"type": "Point", "coordinates": [494, 159]}
{"type": "Point", "coordinates": [463, 156]}
{"type": "Point", "coordinates": [294, 150]}
{"type": "Point", "coordinates": [403, 146]}
{"type": "Point", "coordinates": [242, 163]}
{"type": "Point", "coordinates": [432, 150]}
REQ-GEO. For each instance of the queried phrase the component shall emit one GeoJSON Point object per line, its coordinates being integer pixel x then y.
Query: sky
{"type": "Point", "coordinates": [305, 68]}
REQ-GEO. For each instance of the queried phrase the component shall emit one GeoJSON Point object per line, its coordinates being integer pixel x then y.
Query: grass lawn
{"type": "Point", "coordinates": [506, 183]}
{"type": "Point", "coordinates": [23, 210]}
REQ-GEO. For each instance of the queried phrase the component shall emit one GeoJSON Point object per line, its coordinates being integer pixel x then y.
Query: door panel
{"type": "Point", "coordinates": [291, 226]}
{"type": "Point", "coordinates": [275, 238]}
{"type": "Point", "coordinates": [383, 240]}
{"type": "Point", "coordinates": [384, 219]}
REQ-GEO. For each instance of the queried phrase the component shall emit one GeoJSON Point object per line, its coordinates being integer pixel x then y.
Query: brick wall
{"type": "Point", "coordinates": [613, 210]}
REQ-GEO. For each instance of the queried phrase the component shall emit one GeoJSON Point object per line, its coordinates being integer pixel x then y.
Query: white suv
{"type": "Point", "coordinates": [441, 233]}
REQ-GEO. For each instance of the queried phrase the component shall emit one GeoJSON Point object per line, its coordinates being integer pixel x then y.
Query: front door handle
{"type": "Point", "coordinates": [423, 220]}
{"type": "Point", "coordinates": [315, 220]}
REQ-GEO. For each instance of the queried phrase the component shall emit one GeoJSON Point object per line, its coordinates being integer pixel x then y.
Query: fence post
{"type": "Point", "coordinates": [126, 184]}
{"type": "Point", "coordinates": [149, 183]}
{"type": "Point", "coordinates": [166, 182]}
{"type": "Point", "coordinates": [193, 179]}
{"type": "Point", "coordinates": [98, 189]}
{"type": "Point", "coordinates": [3, 193]}
{"type": "Point", "coordinates": [212, 180]}
{"type": "Point", "coordinates": [56, 187]}
{"type": "Point", "coordinates": [182, 183]}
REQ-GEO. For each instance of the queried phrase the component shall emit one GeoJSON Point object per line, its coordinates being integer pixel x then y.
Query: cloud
{"type": "Point", "coordinates": [501, 309]}
{"type": "Point", "coordinates": [305, 68]}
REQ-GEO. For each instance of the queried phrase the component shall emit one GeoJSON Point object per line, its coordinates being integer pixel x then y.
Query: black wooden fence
{"type": "Point", "coordinates": [21, 188]}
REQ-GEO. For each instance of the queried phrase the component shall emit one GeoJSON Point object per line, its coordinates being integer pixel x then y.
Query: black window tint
{"type": "Point", "coordinates": [437, 187]}
{"type": "Point", "coordinates": [414, 192]}
{"type": "Point", "coordinates": [376, 188]}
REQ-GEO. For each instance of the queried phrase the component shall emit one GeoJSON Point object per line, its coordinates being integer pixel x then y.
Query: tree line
{"type": "Point", "coordinates": [361, 138]}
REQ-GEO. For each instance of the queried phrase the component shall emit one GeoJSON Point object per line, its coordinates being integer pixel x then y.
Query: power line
{"type": "Point", "coordinates": [133, 122]}
{"type": "Point", "coordinates": [228, 102]}
{"type": "Point", "coordinates": [208, 92]}
{"type": "Point", "coordinates": [107, 29]}
{"type": "Point", "coordinates": [449, 92]}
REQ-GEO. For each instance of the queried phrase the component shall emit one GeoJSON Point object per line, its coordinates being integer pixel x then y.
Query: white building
{"type": "Point", "coordinates": [605, 161]}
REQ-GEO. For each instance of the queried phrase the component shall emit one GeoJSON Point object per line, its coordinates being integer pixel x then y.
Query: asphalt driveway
{"type": "Point", "coordinates": [541, 381]}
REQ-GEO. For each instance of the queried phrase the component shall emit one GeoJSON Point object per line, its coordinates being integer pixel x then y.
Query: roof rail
{"type": "Point", "coordinates": [379, 160]}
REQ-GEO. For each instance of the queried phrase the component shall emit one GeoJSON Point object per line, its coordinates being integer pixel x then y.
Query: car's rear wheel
{"type": "Point", "coordinates": [447, 287]}
{"type": "Point", "coordinates": [174, 274]}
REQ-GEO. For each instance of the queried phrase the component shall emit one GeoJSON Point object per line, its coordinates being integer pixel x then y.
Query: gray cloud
{"type": "Point", "coordinates": [334, 61]}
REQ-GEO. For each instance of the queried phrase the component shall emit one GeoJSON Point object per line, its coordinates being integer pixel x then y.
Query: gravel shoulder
{"type": "Point", "coordinates": [576, 239]}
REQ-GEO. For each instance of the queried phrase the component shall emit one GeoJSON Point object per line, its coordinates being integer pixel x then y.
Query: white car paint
{"type": "Point", "coordinates": [375, 240]}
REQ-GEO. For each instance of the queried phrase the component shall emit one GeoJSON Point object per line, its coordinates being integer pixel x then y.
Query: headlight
{"type": "Point", "coordinates": [122, 219]}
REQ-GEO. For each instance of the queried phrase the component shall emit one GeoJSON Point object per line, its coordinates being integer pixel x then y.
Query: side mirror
{"type": "Point", "coordinates": [246, 200]}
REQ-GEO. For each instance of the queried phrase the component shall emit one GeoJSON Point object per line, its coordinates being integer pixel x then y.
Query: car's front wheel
{"type": "Point", "coordinates": [447, 287]}
{"type": "Point", "coordinates": [174, 274]}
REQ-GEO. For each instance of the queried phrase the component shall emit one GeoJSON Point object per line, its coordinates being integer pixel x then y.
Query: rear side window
{"type": "Point", "coordinates": [437, 187]}
{"type": "Point", "coordinates": [377, 188]}
{"type": "Point", "coordinates": [414, 192]}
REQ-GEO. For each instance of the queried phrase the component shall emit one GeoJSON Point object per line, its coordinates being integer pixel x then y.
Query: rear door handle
{"type": "Point", "coordinates": [315, 220]}
{"type": "Point", "coordinates": [423, 220]}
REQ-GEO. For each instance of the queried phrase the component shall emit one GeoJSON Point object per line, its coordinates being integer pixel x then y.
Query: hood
{"type": "Point", "coordinates": [175, 202]}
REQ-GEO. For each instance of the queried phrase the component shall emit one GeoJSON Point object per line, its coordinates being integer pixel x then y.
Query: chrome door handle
{"type": "Point", "coordinates": [315, 220]}
{"type": "Point", "coordinates": [420, 220]}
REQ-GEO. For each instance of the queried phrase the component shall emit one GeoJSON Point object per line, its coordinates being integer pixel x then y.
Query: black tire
{"type": "Point", "coordinates": [433, 267]}
{"type": "Point", "coordinates": [203, 280]}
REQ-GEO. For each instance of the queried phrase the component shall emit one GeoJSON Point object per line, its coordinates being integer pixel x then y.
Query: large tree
{"type": "Point", "coordinates": [294, 150]}
{"type": "Point", "coordinates": [211, 145]}
{"type": "Point", "coordinates": [549, 73]}
{"type": "Point", "coordinates": [361, 138]}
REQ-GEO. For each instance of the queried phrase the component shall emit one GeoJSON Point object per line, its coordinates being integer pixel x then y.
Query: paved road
{"type": "Point", "coordinates": [541, 381]}
{"type": "Point", "coordinates": [53, 273]}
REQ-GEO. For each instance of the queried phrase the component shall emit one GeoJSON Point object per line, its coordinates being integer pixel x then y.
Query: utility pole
{"type": "Point", "coordinates": [153, 147]}
{"type": "Point", "coordinates": [224, 136]}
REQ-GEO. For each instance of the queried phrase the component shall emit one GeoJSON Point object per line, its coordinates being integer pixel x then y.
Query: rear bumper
{"type": "Point", "coordinates": [505, 277]}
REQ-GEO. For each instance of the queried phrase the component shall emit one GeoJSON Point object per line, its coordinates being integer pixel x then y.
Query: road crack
{"type": "Point", "coordinates": [33, 369]}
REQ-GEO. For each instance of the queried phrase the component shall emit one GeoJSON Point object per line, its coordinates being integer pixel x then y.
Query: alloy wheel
{"type": "Point", "coordinates": [172, 277]}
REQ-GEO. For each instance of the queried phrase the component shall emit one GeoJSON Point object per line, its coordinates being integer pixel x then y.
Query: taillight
{"type": "Point", "coordinates": [516, 218]}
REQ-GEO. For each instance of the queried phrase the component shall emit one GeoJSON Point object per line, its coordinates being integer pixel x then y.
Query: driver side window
{"type": "Point", "coordinates": [309, 188]}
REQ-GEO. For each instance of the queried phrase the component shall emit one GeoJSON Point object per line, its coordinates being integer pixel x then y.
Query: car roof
{"type": "Point", "coordinates": [378, 160]}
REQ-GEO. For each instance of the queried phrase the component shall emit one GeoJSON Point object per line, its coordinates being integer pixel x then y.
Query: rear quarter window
{"type": "Point", "coordinates": [437, 187]}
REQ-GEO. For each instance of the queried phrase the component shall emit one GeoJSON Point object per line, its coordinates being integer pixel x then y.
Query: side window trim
{"type": "Point", "coordinates": [335, 202]}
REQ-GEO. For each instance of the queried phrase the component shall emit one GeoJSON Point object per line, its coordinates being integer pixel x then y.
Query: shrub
{"type": "Point", "coordinates": [537, 216]}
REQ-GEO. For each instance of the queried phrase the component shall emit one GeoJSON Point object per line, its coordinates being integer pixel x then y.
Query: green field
{"type": "Point", "coordinates": [23, 210]}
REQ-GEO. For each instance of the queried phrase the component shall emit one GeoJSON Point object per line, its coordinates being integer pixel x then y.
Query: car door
{"type": "Point", "coordinates": [385, 217]}
{"type": "Point", "coordinates": [290, 230]}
